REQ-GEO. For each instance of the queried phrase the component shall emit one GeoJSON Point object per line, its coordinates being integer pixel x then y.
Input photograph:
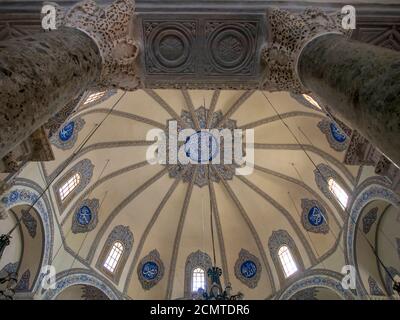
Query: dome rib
{"type": "Point", "coordinates": [119, 208]}
{"type": "Point", "coordinates": [178, 235]}
{"type": "Point", "coordinates": [250, 226]}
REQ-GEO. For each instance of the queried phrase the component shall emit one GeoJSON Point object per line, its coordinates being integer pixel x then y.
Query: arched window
{"type": "Point", "coordinates": [114, 256]}
{"type": "Point", "coordinates": [288, 264]}
{"type": "Point", "coordinates": [115, 252]}
{"type": "Point", "coordinates": [94, 96]}
{"type": "Point", "coordinates": [338, 192]}
{"type": "Point", "coordinates": [196, 267]}
{"type": "Point", "coordinates": [198, 279]}
{"type": "Point", "coordinates": [69, 186]}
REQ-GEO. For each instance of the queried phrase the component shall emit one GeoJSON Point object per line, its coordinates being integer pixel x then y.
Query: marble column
{"type": "Point", "coordinates": [39, 74]}
{"type": "Point", "coordinates": [361, 84]}
{"type": "Point", "coordinates": [310, 53]}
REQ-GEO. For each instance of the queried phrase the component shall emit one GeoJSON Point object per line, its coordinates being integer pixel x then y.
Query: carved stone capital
{"type": "Point", "coordinates": [110, 27]}
{"type": "Point", "coordinates": [290, 32]}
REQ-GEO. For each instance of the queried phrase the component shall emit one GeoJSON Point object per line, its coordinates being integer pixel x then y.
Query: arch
{"type": "Point", "coordinates": [198, 279]}
{"type": "Point", "coordinates": [85, 170]}
{"type": "Point", "coordinates": [278, 239]}
{"type": "Point", "coordinates": [322, 175]}
{"type": "Point", "coordinates": [68, 278]}
{"type": "Point", "coordinates": [25, 193]}
{"type": "Point", "coordinates": [369, 193]}
{"type": "Point", "coordinates": [317, 278]}
{"type": "Point", "coordinates": [82, 292]}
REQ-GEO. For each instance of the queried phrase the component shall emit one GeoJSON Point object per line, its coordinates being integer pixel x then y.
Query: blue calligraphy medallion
{"type": "Point", "coordinates": [337, 133]}
{"type": "Point", "coordinates": [150, 270]}
{"type": "Point", "coordinates": [84, 215]}
{"type": "Point", "coordinates": [315, 216]}
{"type": "Point", "coordinates": [248, 269]}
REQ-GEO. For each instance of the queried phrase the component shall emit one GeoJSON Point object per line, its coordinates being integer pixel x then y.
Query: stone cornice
{"type": "Point", "coordinates": [364, 9]}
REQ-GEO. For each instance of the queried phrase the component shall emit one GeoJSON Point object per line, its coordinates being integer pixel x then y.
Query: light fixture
{"type": "Point", "coordinates": [215, 292]}
{"type": "Point", "coordinates": [4, 242]}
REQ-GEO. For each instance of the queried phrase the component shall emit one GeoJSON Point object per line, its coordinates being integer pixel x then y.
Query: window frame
{"type": "Point", "coordinates": [312, 101]}
{"type": "Point", "coordinates": [120, 253]}
{"type": "Point", "coordinates": [94, 96]}
{"type": "Point", "coordinates": [285, 267]}
{"type": "Point", "coordinates": [193, 279]}
{"type": "Point", "coordinates": [332, 184]}
{"type": "Point", "coordinates": [65, 185]}
{"type": "Point", "coordinates": [280, 238]}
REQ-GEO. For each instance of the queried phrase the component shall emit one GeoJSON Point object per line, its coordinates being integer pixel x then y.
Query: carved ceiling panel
{"type": "Point", "coordinates": [202, 51]}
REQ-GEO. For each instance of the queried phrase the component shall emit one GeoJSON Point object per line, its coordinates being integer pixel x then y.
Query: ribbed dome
{"type": "Point", "coordinates": [167, 207]}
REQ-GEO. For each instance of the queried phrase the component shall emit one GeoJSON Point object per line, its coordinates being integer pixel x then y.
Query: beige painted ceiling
{"type": "Point", "coordinates": [248, 208]}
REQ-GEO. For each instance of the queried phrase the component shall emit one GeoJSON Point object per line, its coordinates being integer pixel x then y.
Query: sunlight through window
{"type": "Point", "coordinates": [198, 279]}
{"type": "Point", "coordinates": [287, 261]}
{"type": "Point", "coordinates": [312, 101]}
{"type": "Point", "coordinates": [113, 257]}
{"type": "Point", "coordinates": [94, 96]}
{"type": "Point", "coordinates": [69, 186]}
{"type": "Point", "coordinates": [338, 192]}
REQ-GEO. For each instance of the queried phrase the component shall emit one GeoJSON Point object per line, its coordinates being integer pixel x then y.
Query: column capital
{"type": "Point", "coordinates": [111, 28]}
{"type": "Point", "coordinates": [289, 34]}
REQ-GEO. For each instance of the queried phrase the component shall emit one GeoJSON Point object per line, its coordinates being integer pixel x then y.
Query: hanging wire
{"type": "Point", "coordinates": [345, 210]}
{"type": "Point", "coordinates": [326, 181]}
{"type": "Point", "coordinates": [203, 225]}
{"type": "Point", "coordinates": [335, 236]}
{"type": "Point", "coordinates": [211, 217]}
{"type": "Point", "coordinates": [69, 230]}
{"type": "Point", "coordinates": [101, 173]}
